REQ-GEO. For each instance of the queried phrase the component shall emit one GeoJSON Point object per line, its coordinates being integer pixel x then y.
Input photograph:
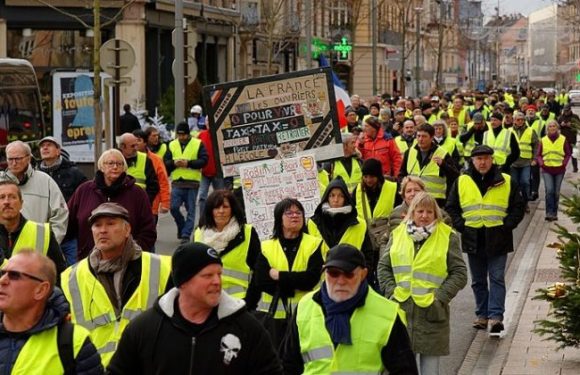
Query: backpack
{"type": "Point", "coordinates": [65, 332]}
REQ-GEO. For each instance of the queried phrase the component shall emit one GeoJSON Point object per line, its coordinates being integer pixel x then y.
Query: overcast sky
{"type": "Point", "coordinates": [513, 6]}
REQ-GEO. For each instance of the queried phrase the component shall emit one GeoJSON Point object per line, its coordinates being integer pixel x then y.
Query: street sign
{"type": "Point", "coordinates": [578, 77]}
{"type": "Point", "coordinates": [117, 57]}
{"type": "Point", "coordinates": [191, 77]}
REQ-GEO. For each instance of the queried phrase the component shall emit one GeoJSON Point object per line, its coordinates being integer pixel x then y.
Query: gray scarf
{"type": "Point", "coordinates": [54, 167]}
{"type": "Point", "coordinates": [110, 272]}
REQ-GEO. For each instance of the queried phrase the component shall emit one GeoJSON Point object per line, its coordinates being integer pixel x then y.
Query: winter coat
{"type": "Point", "coordinates": [428, 327]}
{"type": "Point", "coordinates": [88, 361]}
{"type": "Point", "coordinates": [231, 341]}
{"type": "Point", "coordinates": [163, 198]}
{"type": "Point", "coordinates": [384, 150]}
{"type": "Point", "coordinates": [484, 241]}
{"type": "Point", "coordinates": [43, 201]}
{"type": "Point", "coordinates": [92, 193]}
{"type": "Point", "coordinates": [67, 176]}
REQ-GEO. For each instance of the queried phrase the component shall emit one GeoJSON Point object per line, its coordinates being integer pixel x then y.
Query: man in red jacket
{"type": "Point", "coordinates": [209, 172]}
{"type": "Point", "coordinates": [378, 145]}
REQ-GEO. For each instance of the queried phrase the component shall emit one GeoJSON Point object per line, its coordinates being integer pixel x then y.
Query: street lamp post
{"type": "Point", "coordinates": [417, 51]}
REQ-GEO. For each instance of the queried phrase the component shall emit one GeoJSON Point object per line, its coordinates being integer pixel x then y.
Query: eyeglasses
{"type": "Point", "coordinates": [292, 213]}
{"type": "Point", "coordinates": [112, 164]}
{"type": "Point", "coordinates": [17, 275]}
{"type": "Point", "coordinates": [16, 159]}
{"type": "Point", "coordinates": [336, 273]}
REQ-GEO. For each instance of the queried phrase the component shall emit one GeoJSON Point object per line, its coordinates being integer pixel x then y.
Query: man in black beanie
{"type": "Point", "coordinates": [196, 328]}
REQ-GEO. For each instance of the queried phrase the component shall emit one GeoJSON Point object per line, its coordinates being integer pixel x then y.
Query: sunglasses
{"type": "Point", "coordinates": [17, 275]}
{"type": "Point", "coordinates": [336, 273]}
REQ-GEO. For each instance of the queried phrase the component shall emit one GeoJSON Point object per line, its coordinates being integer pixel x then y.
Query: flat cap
{"type": "Point", "coordinates": [482, 150]}
{"type": "Point", "coordinates": [109, 209]}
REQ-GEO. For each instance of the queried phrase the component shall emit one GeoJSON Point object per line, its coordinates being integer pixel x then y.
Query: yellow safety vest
{"type": "Point", "coordinates": [273, 252]}
{"type": "Point", "coordinates": [553, 152]}
{"type": "Point", "coordinates": [351, 180]}
{"type": "Point", "coordinates": [402, 144]}
{"type": "Point", "coordinates": [419, 274]}
{"type": "Point", "coordinates": [137, 170]}
{"type": "Point", "coordinates": [92, 309]}
{"type": "Point", "coordinates": [353, 235]}
{"type": "Point", "coordinates": [525, 142]}
{"type": "Point", "coordinates": [384, 205]}
{"type": "Point", "coordinates": [461, 117]}
{"type": "Point", "coordinates": [33, 236]}
{"type": "Point", "coordinates": [487, 211]}
{"type": "Point", "coordinates": [429, 174]}
{"type": "Point", "coordinates": [162, 150]}
{"type": "Point", "coordinates": [40, 354]}
{"type": "Point", "coordinates": [449, 144]}
{"type": "Point", "coordinates": [370, 328]}
{"type": "Point", "coordinates": [500, 144]}
{"type": "Point", "coordinates": [323, 181]}
{"type": "Point", "coordinates": [189, 153]}
{"type": "Point", "coordinates": [235, 273]}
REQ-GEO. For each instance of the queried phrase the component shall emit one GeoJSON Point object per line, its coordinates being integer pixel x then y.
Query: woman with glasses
{"type": "Point", "coordinates": [111, 184]}
{"type": "Point", "coordinates": [423, 269]}
{"type": "Point", "coordinates": [288, 267]}
{"type": "Point", "coordinates": [223, 226]}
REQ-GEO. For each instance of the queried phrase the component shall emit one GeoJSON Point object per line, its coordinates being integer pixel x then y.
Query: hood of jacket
{"type": "Point", "coordinates": [228, 305]}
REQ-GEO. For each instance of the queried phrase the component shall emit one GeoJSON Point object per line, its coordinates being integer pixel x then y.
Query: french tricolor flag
{"type": "Point", "coordinates": [342, 97]}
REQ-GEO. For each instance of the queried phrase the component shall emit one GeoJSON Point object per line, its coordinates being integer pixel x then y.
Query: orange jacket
{"type": "Point", "coordinates": [384, 150]}
{"type": "Point", "coordinates": [163, 198]}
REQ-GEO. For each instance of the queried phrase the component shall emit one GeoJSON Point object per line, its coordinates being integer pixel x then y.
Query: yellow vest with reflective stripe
{"type": "Point", "coordinates": [351, 180]}
{"type": "Point", "coordinates": [92, 309]}
{"type": "Point", "coordinates": [235, 273]}
{"type": "Point", "coordinates": [137, 170]}
{"type": "Point", "coordinates": [273, 252]}
{"type": "Point", "coordinates": [525, 142]}
{"type": "Point", "coordinates": [162, 150]}
{"type": "Point", "coordinates": [34, 236]}
{"type": "Point", "coordinates": [323, 181]}
{"type": "Point", "coordinates": [384, 205]}
{"type": "Point", "coordinates": [500, 144]}
{"type": "Point", "coordinates": [190, 152]}
{"type": "Point", "coordinates": [40, 355]}
{"type": "Point", "coordinates": [419, 274]}
{"type": "Point", "coordinates": [370, 328]}
{"type": "Point", "coordinates": [402, 145]}
{"type": "Point", "coordinates": [461, 117]}
{"type": "Point", "coordinates": [353, 235]}
{"type": "Point", "coordinates": [538, 126]}
{"type": "Point", "coordinates": [449, 145]}
{"type": "Point", "coordinates": [553, 152]}
{"type": "Point", "coordinates": [429, 174]}
{"type": "Point", "coordinates": [487, 211]}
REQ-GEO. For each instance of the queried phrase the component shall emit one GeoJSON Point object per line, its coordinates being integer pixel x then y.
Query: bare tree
{"type": "Point", "coordinates": [404, 8]}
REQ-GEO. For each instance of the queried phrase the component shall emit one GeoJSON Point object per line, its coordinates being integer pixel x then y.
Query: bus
{"type": "Point", "coordinates": [21, 115]}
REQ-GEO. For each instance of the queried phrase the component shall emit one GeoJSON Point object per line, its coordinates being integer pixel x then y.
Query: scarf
{"type": "Point", "coordinates": [110, 272]}
{"type": "Point", "coordinates": [219, 240]}
{"type": "Point", "coordinates": [114, 189]}
{"type": "Point", "coordinates": [337, 210]}
{"type": "Point", "coordinates": [51, 168]}
{"type": "Point", "coordinates": [338, 313]}
{"type": "Point", "coordinates": [420, 234]}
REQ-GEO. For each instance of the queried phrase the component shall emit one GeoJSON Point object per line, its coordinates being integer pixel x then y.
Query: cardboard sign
{"type": "Point", "coordinates": [266, 183]}
{"type": "Point", "coordinates": [273, 117]}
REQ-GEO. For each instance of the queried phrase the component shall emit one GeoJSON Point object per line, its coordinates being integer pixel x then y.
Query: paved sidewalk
{"type": "Point", "coordinates": [528, 352]}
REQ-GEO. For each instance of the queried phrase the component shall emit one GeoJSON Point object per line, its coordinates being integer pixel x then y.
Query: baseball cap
{"type": "Point", "coordinates": [49, 139]}
{"type": "Point", "coordinates": [182, 128]}
{"type": "Point", "coordinates": [345, 257]}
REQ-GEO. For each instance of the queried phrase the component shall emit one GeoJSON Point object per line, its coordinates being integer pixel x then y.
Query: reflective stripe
{"type": "Point", "coordinates": [108, 347]}
{"type": "Point", "coordinates": [235, 274]}
{"type": "Point", "coordinates": [484, 217]}
{"type": "Point", "coordinates": [129, 314]}
{"type": "Point", "coordinates": [235, 289]}
{"type": "Point", "coordinates": [316, 354]}
{"type": "Point", "coordinates": [154, 274]}
{"type": "Point", "coordinates": [400, 269]}
{"type": "Point", "coordinates": [428, 277]}
{"type": "Point", "coordinates": [40, 233]}
{"type": "Point", "coordinates": [476, 207]}
{"type": "Point", "coordinates": [404, 284]}
{"type": "Point", "coordinates": [265, 306]}
{"type": "Point", "coordinates": [77, 304]}
{"type": "Point", "coordinates": [421, 291]}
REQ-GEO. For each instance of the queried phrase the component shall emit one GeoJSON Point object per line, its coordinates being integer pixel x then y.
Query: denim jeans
{"type": "Point", "coordinates": [535, 179]}
{"type": "Point", "coordinates": [522, 176]}
{"type": "Point", "coordinates": [489, 300]}
{"type": "Point", "coordinates": [216, 182]}
{"type": "Point", "coordinates": [186, 197]}
{"type": "Point", "coordinates": [552, 184]}
{"type": "Point", "coordinates": [427, 364]}
{"type": "Point", "coordinates": [69, 250]}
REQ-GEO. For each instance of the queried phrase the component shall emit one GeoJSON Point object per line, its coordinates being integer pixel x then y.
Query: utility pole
{"type": "Point", "coordinates": [497, 48]}
{"type": "Point", "coordinates": [417, 52]}
{"type": "Point", "coordinates": [97, 82]}
{"type": "Point", "coordinates": [179, 110]}
{"type": "Point", "coordinates": [374, 43]}
{"type": "Point", "coordinates": [308, 11]}
{"type": "Point", "coordinates": [440, 45]}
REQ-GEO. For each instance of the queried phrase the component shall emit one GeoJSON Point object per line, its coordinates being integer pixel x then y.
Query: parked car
{"type": "Point", "coordinates": [574, 96]}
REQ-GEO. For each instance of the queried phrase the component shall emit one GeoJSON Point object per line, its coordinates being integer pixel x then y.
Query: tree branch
{"type": "Point", "coordinates": [68, 14]}
{"type": "Point", "coordinates": [125, 6]}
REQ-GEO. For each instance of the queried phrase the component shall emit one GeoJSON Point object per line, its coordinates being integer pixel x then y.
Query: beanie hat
{"type": "Point", "coordinates": [497, 115]}
{"type": "Point", "coordinates": [189, 259]}
{"type": "Point", "coordinates": [372, 167]}
{"type": "Point", "coordinates": [182, 128]}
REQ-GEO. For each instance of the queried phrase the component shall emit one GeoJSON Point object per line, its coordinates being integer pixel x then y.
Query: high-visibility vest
{"type": "Point", "coordinates": [40, 354]}
{"type": "Point", "coordinates": [137, 170]}
{"type": "Point", "coordinates": [562, 99]}
{"type": "Point", "coordinates": [449, 144]}
{"type": "Point", "coordinates": [553, 152]}
{"type": "Point", "coordinates": [402, 145]}
{"type": "Point", "coordinates": [235, 273]}
{"type": "Point", "coordinates": [384, 205]}
{"type": "Point", "coordinates": [353, 235]}
{"type": "Point", "coordinates": [92, 309]}
{"type": "Point", "coordinates": [525, 142]}
{"type": "Point", "coordinates": [429, 174]}
{"type": "Point", "coordinates": [370, 328]}
{"type": "Point", "coordinates": [419, 274]}
{"type": "Point", "coordinates": [487, 211]}
{"type": "Point", "coordinates": [461, 117]}
{"type": "Point", "coordinates": [351, 180]}
{"type": "Point", "coordinates": [189, 153]}
{"type": "Point", "coordinates": [33, 236]}
{"type": "Point", "coordinates": [538, 126]}
{"type": "Point", "coordinates": [500, 144]}
{"type": "Point", "coordinates": [162, 150]}
{"type": "Point", "coordinates": [272, 251]}
{"type": "Point", "coordinates": [323, 181]}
